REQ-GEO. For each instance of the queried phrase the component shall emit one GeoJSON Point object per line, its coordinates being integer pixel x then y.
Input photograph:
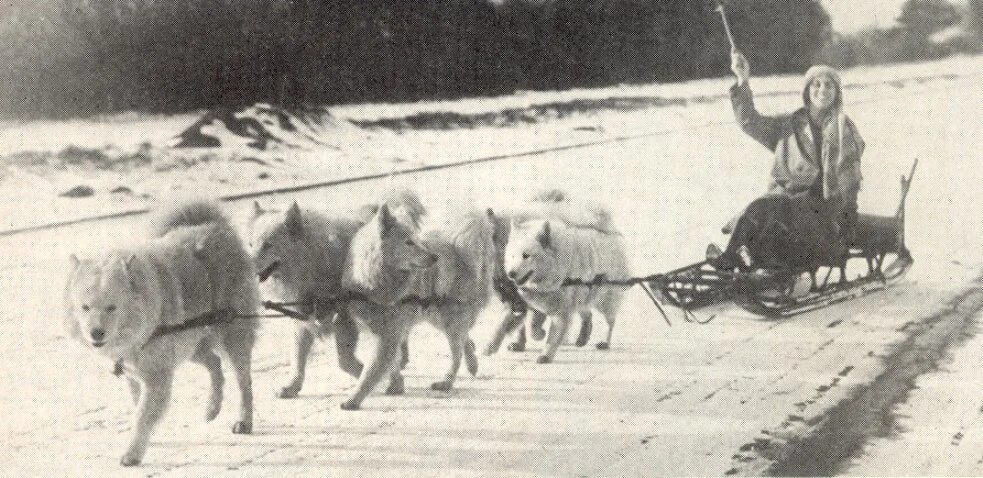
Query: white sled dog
{"type": "Point", "coordinates": [554, 205]}
{"type": "Point", "coordinates": [128, 304]}
{"type": "Point", "coordinates": [444, 278]}
{"type": "Point", "coordinates": [455, 290]}
{"type": "Point", "coordinates": [542, 254]}
{"type": "Point", "coordinates": [301, 253]}
{"type": "Point", "coordinates": [383, 255]}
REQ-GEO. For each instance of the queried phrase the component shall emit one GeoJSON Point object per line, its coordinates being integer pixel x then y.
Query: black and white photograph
{"type": "Point", "coordinates": [491, 238]}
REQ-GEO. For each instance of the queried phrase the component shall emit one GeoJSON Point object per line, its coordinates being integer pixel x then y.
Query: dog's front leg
{"type": "Point", "coordinates": [586, 325]}
{"type": "Point", "coordinates": [134, 385]}
{"type": "Point", "coordinates": [303, 340]}
{"type": "Point", "coordinates": [154, 398]}
{"type": "Point", "coordinates": [384, 356]}
{"type": "Point", "coordinates": [558, 330]}
{"type": "Point", "coordinates": [510, 322]}
{"type": "Point", "coordinates": [346, 341]}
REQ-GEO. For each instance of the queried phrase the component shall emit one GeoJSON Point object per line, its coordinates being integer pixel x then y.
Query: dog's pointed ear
{"type": "Point", "coordinates": [545, 236]}
{"type": "Point", "coordinates": [295, 223]}
{"type": "Point", "coordinates": [75, 261]}
{"type": "Point", "coordinates": [257, 209]}
{"type": "Point", "coordinates": [128, 264]}
{"type": "Point", "coordinates": [386, 220]}
{"type": "Point", "coordinates": [491, 213]}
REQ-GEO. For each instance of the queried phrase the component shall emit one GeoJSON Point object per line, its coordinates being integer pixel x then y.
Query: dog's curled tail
{"type": "Point", "coordinates": [186, 213]}
{"type": "Point", "coordinates": [403, 203]}
{"type": "Point", "coordinates": [550, 195]}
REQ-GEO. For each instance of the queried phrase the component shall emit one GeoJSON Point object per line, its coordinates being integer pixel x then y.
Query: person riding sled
{"type": "Point", "coordinates": [806, 217]}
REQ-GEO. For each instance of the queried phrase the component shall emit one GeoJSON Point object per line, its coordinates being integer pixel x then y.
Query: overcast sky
{"type": "Point", "coordinates": [852, 15]}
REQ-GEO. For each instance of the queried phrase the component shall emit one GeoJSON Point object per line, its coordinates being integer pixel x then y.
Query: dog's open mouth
{"type": "Point", "coordinates": [523, 279]}
{"type": "Point", "coordinates": [265, 273]}
{"type": "Point", "coordinates": [97, 343]}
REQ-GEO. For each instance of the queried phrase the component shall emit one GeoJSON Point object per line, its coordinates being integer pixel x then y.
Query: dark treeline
{"type": "Point", "coordinates": [925, 29]}
{"type": "Point", "coordinates": [79, 57]}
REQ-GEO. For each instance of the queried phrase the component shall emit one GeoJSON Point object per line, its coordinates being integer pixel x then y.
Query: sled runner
{"type": "Point", "coordinates": [784, 292]}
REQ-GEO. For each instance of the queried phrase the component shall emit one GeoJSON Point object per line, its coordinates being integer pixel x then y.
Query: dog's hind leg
{"type": "Point", "coordinates": [154, 398]}
{"type": "Point", "coordinates": [536, 325]}
{"type": "Point", "coordinates": [207, 358]}
{"type": "Point", "coordinates": [396, 385]}
{"type": "Point", "coordinates": [558, 330]}
{"type": "Point", "coordinates": [457, 342]}
{"type": "Point", "coordinates": [346, 341]}
{"type": "Point", "coordinates": [470, 359]}
{"type": "Point", "coordinates": [519, 345]}
{"type": "Point", "coordinates": [586, 325]}
{"type": "Point", "coordinates": [405, 357]}
{"type": "Point", "coordinates": [238, 346]}
{"type": "Point", "coordinates": [303, 340]}
{"type": "Point", "coordinates": [510, 322]}
{"type": "Point", "coordinates": [609, 305]}
{"type": "Point", "coordinates": [387, 350]}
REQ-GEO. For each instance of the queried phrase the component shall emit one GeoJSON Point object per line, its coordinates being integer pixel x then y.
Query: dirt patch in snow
{"type": "Point", "coordinates": [261, 127]}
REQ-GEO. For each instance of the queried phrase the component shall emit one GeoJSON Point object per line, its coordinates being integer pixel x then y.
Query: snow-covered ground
{"type": "Point", "coordinates": [727, 397]}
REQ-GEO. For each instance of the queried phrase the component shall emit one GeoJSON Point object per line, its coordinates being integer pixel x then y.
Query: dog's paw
{"type": "Point", "coordinates": [517, 347]}
{"type": "Point", "coordinates": [242, 428]}
{"type": "Point", "coordinates": [290, 391]}
{"type": "Point", "coordinates": [584, 336]}
{"type": "Point", "coordinates": [349, 405]}
{"type": "Point", "coordinates": [212, 411]}
{"type": "Point", "coordinates": [395, 389]}
{"type": "Point", "coordinates": [131, 459]}
{"type": "Point", "coordinates": [603, 346]}
{"type": "Point", "coordinates": [544, 359]}
{"type": "Point", "coordinates": [442, 386]}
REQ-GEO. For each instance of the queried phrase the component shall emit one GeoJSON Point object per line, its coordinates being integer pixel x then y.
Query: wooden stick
{"type": "Point", "coordinates": [723, 15]}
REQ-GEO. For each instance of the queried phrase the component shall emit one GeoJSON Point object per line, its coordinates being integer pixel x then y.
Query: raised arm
{"type": "Point", "coordinates": [766, 130]}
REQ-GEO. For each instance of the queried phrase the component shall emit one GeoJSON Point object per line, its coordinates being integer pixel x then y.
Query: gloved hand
{"type": "Point", "coordinates": [740, 67]}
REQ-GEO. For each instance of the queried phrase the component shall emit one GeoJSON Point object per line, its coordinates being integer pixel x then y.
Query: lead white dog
{"type": "Point", "coordinates": [129, 304]}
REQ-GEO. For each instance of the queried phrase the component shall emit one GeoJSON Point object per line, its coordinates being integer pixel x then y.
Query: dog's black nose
{"type": "Point", "coordinates": [98, 335]}
{"type": "Point", "coordinates": [512, 274]}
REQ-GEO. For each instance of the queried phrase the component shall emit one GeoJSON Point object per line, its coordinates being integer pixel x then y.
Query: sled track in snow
{"type": "Point", "coordinates": [869, 411]}
{"type": "Point", "coordinates": [435, 167]}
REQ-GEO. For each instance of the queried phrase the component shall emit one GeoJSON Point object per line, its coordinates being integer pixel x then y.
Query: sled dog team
{"type": "Point", "coordinates": [190, 290]}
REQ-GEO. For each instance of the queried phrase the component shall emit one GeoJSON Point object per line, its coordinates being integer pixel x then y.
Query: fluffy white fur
{"type": "Point", "coordinates": [300, 256]}
{"type": "Point", "coordinates": [459, 284]}
{"type": "Point", "coordinates": [557, 206]}
{"type": "Point", "coordinates": [193, 263]}
{"type": "Point", "coordinates": [542, 254]}
{"type": "Point", "coordinates": [382, 257]}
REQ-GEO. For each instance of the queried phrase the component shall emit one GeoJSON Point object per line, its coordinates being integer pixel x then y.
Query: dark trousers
{"type": "Point", "coordinates": [798, 232]}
